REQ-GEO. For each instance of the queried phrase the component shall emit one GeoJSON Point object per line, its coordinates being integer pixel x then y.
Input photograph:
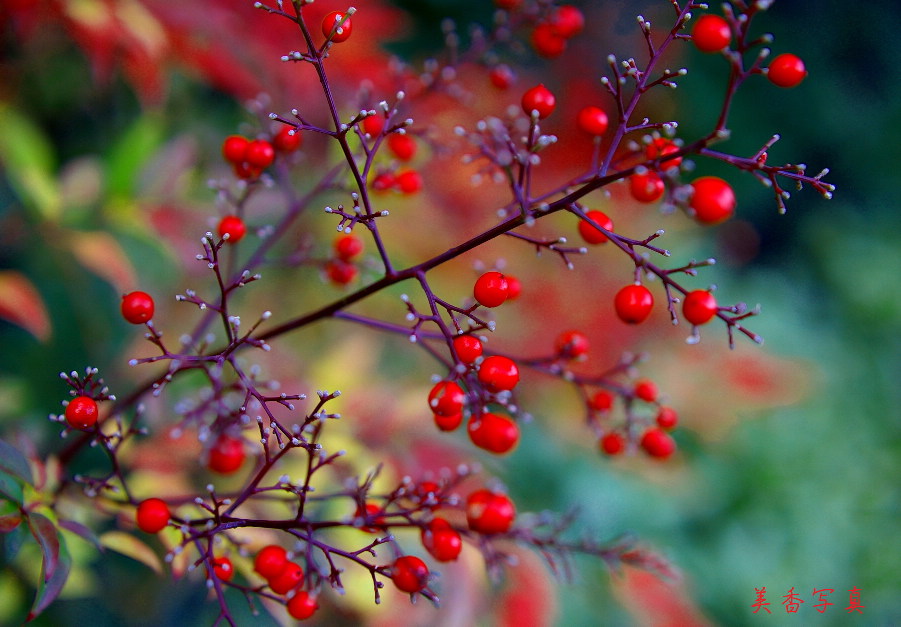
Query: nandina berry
{"type": "Point", "coordinates": [448, 423]}
{"type": "Point", "coordinates": [336, 27]}
{"type": "Point", "coordinates": [468, 347]}
{"type": "Point", "coordinates": [633, 303]}
{"type": "Point", "coordinates": [373, 124]}
{"type": "Point", "coordinates": [540, 99]}
{"type": "Point", "coordinates": [489, 512]}
{"type": "Point", "coordinates": [667, 418]}
{"type": "Point", "coordinates": [593, 120]}
{"type": "Point", "coordinates": [514, 287]}
{"type": "Point", "coordinates": [81, 412]}
{"type": "Point", "coordinates": [646, 390]}
{"type": "Point", "coordinates": [699, 307]}
{"type": "Point", "coordinates": [567, 21]}
{"type": "Point", "coordinates": [223, 568]}
{"type": "Point", "coordinates": [234, 227]}
{"type": "Point", "coordinates": [410, 574]}
{"type": "Point", "coordinates": [259, 154]}
{"type": "Point", "coordinates": [572, 344]}
{"type": "Point", "coordinates": [592, 234]}
{"type": "Point", "coordinates": [425, 488]}
{"type": "Point", "coordinates": [786, 70]}
{"type": "Point", "coordinates": [137, 307]}
{"type": "Point", "coordinates": [547, 42]}
{"type": "Point", "coordinates": [288, 578]}
{"type": "Point", "coordinates": [661, 147]}
{"type": "Point", "coordinates": [501, 76]}
{"type": "Point", "coordinates": [447, 398]}
{"type": "Point", "coordinates": [383, 181]}
{"type": "Point", "coordinates": [498, 373]}
{"type": "Point", "coordinates": [402, 146]}
{"type": "Point", "coordinates": [234, 147]}
{"type": "Point", "coordinates": [711, 33]}
{"type": "Point", "coordinates": [152, 515]}
{"type": "Point", "coordinates": [226, 455]}
{"type": "Point", "coordinates": [658, 443]}
{"type": "Point", "coordinates": [602, 400]}
{"type": "Point", "coordinates": [408, 181]}
{"type": "Point", "coordinates": [270, 561]}
{"type": "Point", "coordinates": [490, 289]}
{"type": "Point", "coordinates": [496, 433]}
{"type": "Point", "coordinates": [347, 246]}
{"type": "Point", "coordinates": [712, 200]}
{"type": "Point", "coordinates": [341, 272]}
{"type": "Point", "coordinates": [286, 141]}
{"type": "Point", "coordinates": [612, 443]}
{"type": "Point", "coordinates": [646, 187]}
{"type": "Point", "coordinates": [246, 171]}
{"type": "Point", "coordinates": [302, 605]}
{"type": "Point", "coordinates": [370, 511]}
{"type": "Point", "coordinates": [441, 540]}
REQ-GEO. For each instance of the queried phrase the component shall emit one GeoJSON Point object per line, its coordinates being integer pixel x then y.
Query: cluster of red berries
{"type": "Point", "coordinates": [656, 440]}
{"type": "Point", "coordinates": [285, 577]}
{"type": "Point", "coordinates": [633, 304]}
{"type": "Point", "coordinates": [341, 269]}
{"type": "Point", "coordinates": [551, 34]}
{"type": "Point", "coordinates": [494, 288]}
{"type": "Point", "coordinates": [250, 158]}
{"type": "Point", "coordinates": [403, 148]}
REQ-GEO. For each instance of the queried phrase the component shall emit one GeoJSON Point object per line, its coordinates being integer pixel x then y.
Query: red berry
{"type": "Point", "coordinates": [567, 21]}
{"type": "Point", "coordinates": [341, 272]}
{"type": "Point", "coordinates": [234, 227]}
{"type": "Point", "coordinates": [491, 289]}
{"type": "Point", "coordinates": [347, 246]}
{"type": "Point", "coordinates": [426, 488]}
{"type": "Point", "coordinates": [498, 373]}
{"type": "Point", "coordinates": [270, 561]}
{"type": "Point", "coordinates": [408, 181]}
{"type": "Point", "coordinates": [234, 147]}
{"type": "Point", "coordinates": [501, 76]}
{"type": "Point", "coordinates": [786, 70]}
{"type": "Point", "coordinates": [667, 418]}
{"type": "Point", "coordinates": [508, 5]}
{"type": "Point", "coordinates": [286, 141]}
{"type": "Point", "coordinates": [244, 170]}
{"type": "Point", "coordinates": [489, 512]}
{"type": "Point", "coordinates": [514, 287]}
{"type": "Point", "coordinates": [547, 42]}
{"type": "Point", "coordinates": [593, 120]}
{"type": "Point", "coordinates": [410, 574]}
{"type": "Point", "coordinates": [373, 124]}
{"type": "Point", "coordinates": [383, 182]}
{"type": "Point", "coordinates": [152, 515]}
{"type": "Point", "coordinates": [288, 578]}
{"type": "Point", "coordinates": [646, 390]}
{"type": "Point", "coordinates": [633, 303]}
{"type": "Point", "coordinates": [658, 443]}
{"type": "Point", "coordinates": [403, 146]}
{"type": "Point", "coordinates": [613, 443]}
{"type": "Point", "coordinates": [335, 27]}
{"type": "Point", "coordinates": [447, 398]}
{"type": "Point", "coordinates": [441, 540]}
{"type": "Point", "coordinates": [539, 99]}
{"type": "Point", "coordinates": [712, 200]}
{"type": "Point", "coordinates": [226, 455]}
{"type": "Point", "coordinates": [468, 348]}
{"type": "Point", "coordinates": [371, 512]}
{"type": "Point", "coordinates": [601, 401]}
{"type": "Point", "coordinates": [301, 606]}
{"type": "Point", "coordinates": [448, 423]}
{"type": "Point", "coordinates": [646, 187]}
{"type": "Point", "coordinates": [661, 147]}
{"type": "Point", "coordinates": [493, 432]}
{"type": "Point", "coordinates": [699, 307]}
{"type": "Point", "coordinates": [223, 569]}
{"type": "Point", "coordinates": [259, 154]}
{"type": "Point", "coordinates": [81, 412]}
{"type": "Point", "coordinates": [572, 344]}
{"type": "Point", "coordinates": [137, 307]}
{"type": "Point", "coordinates": [711, 33]}
{"type": "Point", "coordinates": [591, 234]}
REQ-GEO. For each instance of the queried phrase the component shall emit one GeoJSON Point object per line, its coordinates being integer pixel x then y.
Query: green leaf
{"type": "Point", "coordinates": [127, 544]}
{"type": "Point", "coordinates": [50, 585]}
{"type": "Point", "coordinates": [130, 154]}
{"type": "Point", "coordinates": [10, 516]}
{"type": "Point", "coordinates": [45, 532]}
{"type": "Point", "coordinates": [81, 531]}
{"type": "Point", "coordinates": [14, 463]}
{"type": "Point", "coordinates": [13, 541]}
{"type": "Point", "coordinates": [11, 489]}
{"type": "Point", "coordinates": [28, 157]}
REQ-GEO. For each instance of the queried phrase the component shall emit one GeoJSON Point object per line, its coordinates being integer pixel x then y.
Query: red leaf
{"type": "Point", "coordinates": [49, 586]}
{"type": "Point", "coordinates": [21, 304]}
{"type": "Point", "coordinates": [44, 531]}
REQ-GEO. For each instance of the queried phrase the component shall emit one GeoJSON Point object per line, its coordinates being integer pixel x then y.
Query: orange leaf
{"type": "Point", "coordinates": [21, 304]}
{"type": "Point", "coordinates": [654, 602]}
{"type": "Point", "coordinates": [127, 544]}
{"type": "Point", "coordinates": [100, 253]}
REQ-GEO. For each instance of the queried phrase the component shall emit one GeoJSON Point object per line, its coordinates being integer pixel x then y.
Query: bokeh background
{"type": "Point", "coordinates": [790, 457]}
